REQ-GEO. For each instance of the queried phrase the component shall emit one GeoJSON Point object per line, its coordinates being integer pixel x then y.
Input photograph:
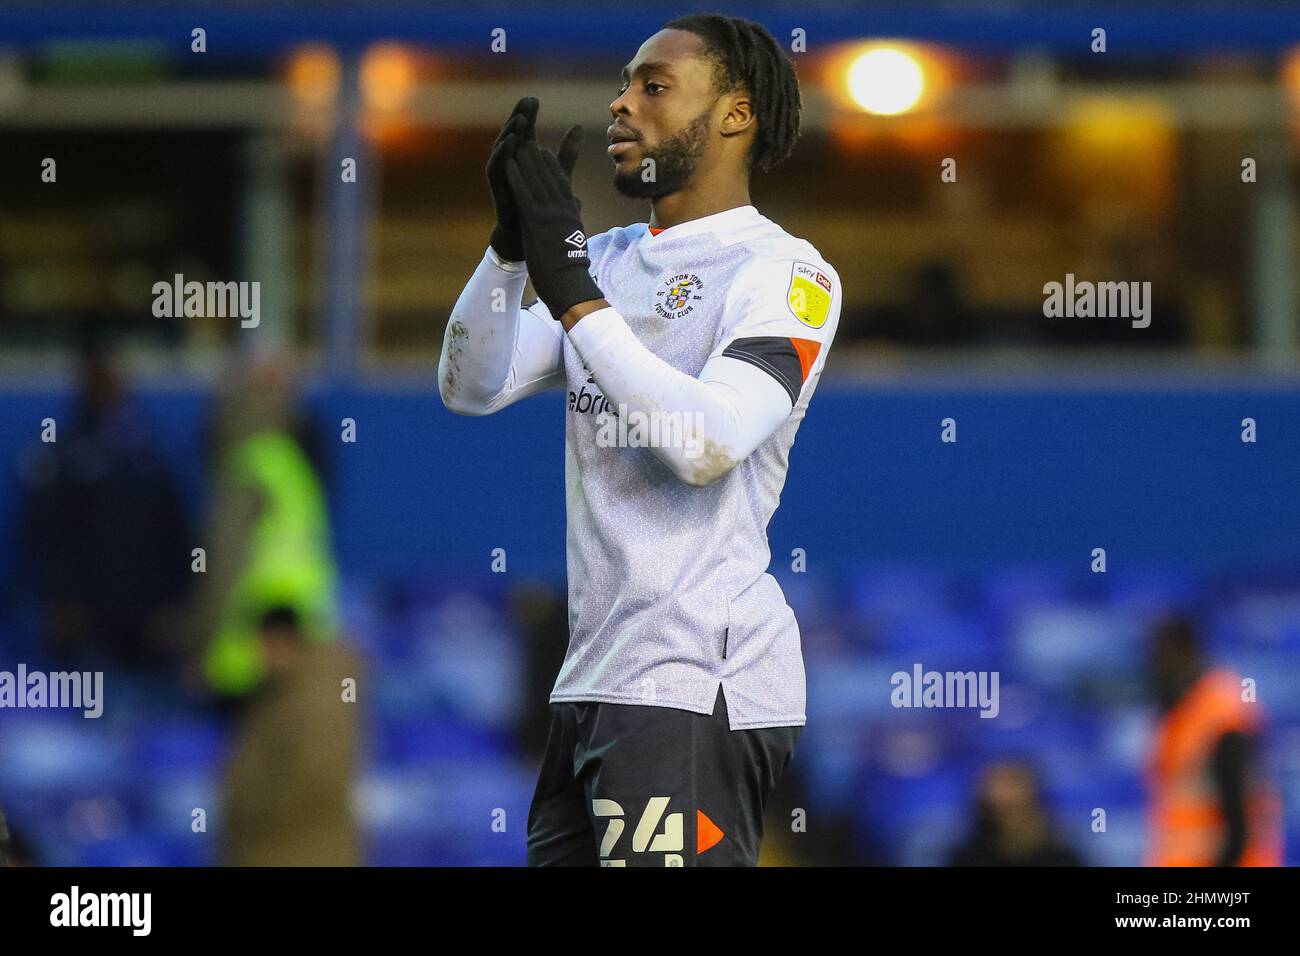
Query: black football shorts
{"type": "Point", "coordinates": [635, 785]}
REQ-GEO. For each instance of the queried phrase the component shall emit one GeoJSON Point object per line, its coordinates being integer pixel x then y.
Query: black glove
{"type": "Point", "coordinates": [520, 128]}
{"type": "Point", "coordinates": [550, 218]}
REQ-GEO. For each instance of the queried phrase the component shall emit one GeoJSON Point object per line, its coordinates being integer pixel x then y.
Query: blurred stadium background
{"type": "Point", "coordinates": [1073, 433]}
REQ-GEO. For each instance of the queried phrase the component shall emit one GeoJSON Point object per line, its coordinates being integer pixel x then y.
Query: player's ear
{"type": "Point", "coordinates": [739, 116]}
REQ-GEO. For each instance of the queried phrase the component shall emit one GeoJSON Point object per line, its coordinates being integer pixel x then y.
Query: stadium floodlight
{"type": "Point", "coordinates": [388, 77]}
{"type": "Point", "coordinates": [886, 80]}
{"type": "Point", "coordinates": [314, 75]}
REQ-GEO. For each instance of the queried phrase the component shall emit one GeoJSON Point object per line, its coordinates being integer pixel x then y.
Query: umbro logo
{"type": "Point", "coordinates": [578, 241]}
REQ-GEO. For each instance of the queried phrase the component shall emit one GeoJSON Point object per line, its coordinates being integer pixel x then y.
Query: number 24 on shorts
{"type": "Point", "coordinates": [670, 841]}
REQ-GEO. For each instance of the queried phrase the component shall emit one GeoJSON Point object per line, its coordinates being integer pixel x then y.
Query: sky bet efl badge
{"type": "Point", "coordinates": [810, 295]}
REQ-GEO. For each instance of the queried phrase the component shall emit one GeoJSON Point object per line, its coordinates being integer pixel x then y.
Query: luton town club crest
{"type": "Point", "coordinates": [679, 296]}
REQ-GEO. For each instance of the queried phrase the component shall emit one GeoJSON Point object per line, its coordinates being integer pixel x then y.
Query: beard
{"type": "Point", "coordinates": [674, 162]}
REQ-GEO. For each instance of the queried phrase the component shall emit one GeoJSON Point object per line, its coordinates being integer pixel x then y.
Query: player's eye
{"type": "Point", "coordinates": [651, 87]}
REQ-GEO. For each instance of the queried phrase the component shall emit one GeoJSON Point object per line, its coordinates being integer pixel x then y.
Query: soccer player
{"type": "Point", "coordinates": [690, 348]}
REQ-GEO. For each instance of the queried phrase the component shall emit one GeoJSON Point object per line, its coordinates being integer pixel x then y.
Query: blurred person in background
{"type": "Point", "coordinates": [14, 850]}
{"type": "Point", "coordinates": [1011, 826]}
{"type": "Point", "coordinates": [543, 617]}
{"type": "Point", "coordinates": [268, 543]}
{"type": "Point", "coordinates": [1210, 803]}
{"type": "Point", "coordinates": [18, 853]}
{"type": "Point", "coordinates": [6, 839]}
{"type": "Point", "coordinates": [935, 313]}
{"type": "Point", "coordinates": [287, 792]}
{"type": "Point", "coordinates": [104, 532]}
{"type": "Point", "coordinates": [800, 833]}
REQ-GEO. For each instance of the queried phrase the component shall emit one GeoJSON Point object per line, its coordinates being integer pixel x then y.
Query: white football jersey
{"type": "Point", "coordinates": [669, 594]}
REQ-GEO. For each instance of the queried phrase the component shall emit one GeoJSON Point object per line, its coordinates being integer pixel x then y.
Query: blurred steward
{"type": "Point", "coordinates": [288, 786]}
{"type": "Point", "coordinates": [1011, 825]}
{"type": "Point", "coordinates": [268, 543]}
{"type": "Point", "coordinates": [104, 533]}
{"type": "Point", "coordinates": [1211, 804]}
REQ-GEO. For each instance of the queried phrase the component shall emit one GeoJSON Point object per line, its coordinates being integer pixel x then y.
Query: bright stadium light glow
{"type": "Point", "coordinates": [313, 75]}
{"type": "Point", "coordinates": [1290, 76]}
{"type": "Point", "coordinates": [886, 81]}
{"type": "Point", "coordinates": [388, 77]}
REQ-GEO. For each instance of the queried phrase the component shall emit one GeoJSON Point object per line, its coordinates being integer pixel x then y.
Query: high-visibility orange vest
{"type": "Point", "coordinates": [1187, 826]}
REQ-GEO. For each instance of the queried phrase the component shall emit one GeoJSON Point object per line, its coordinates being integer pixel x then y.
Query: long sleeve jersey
{"type": "Point", "coordinates": [684, 397]}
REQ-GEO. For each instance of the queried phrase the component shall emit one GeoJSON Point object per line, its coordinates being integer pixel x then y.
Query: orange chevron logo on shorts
{"type": "Point", "coordinates": [707, 833]}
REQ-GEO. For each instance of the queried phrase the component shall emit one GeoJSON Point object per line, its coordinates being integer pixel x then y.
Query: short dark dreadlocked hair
{"type": "Point", "coordinates": [745, 56]}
